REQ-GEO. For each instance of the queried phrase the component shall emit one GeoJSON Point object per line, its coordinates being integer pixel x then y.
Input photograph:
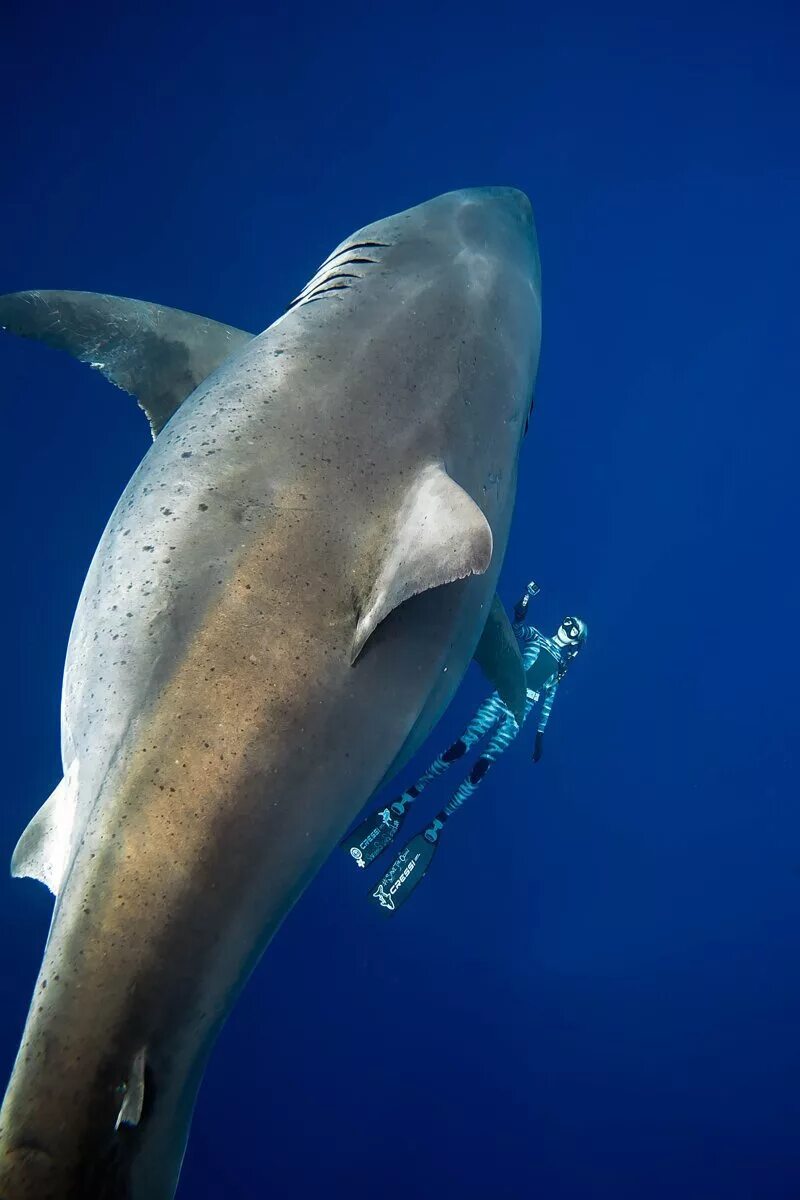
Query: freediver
{"type": "Point", "coordinates": [546, 661]}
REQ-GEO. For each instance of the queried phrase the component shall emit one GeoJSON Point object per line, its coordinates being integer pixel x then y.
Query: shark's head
{"type": "Point", "coordinates": [455, 283]}
{"type": "Point", "coordinates": [499, 254]}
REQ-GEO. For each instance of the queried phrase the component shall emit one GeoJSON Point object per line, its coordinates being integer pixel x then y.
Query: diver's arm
{"type": "Point", "coordinates": [521, 607]}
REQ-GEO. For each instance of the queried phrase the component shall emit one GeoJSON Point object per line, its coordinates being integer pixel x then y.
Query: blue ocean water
{"type": "Point", "coordinates": [595, 992]}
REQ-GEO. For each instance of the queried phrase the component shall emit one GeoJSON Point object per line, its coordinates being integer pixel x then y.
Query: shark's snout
{"type": "Point", "coordinates": [513, 199]}
{"type": "Point", "coordinates": [508, 200]}
{"type": "Point", "coordinates": [495, 219]}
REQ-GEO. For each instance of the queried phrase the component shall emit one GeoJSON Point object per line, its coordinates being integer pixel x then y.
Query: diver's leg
{"type": "Point", "coordinates": [379, 829]}
{"type": "Point", "coordinates": [411, 865]}
{"type": "Point", "coordinates": [486, 716]}
{"type": "Point", "coordinates": [499, 743]}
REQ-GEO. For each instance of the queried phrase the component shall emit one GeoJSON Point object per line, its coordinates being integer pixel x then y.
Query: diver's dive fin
{"type": "Point", "coordinates": [374, 834]}
{"type": "Point", "coordinates": [439, 535]}
{"type": "Point", "coordinates": [498, 655]}
{"type": "Point", "coordinates": [42, 851]}
{"type": "Point", "coordinates": [158, 354]}
{"type": "Point", "coordinates": [404, 874]}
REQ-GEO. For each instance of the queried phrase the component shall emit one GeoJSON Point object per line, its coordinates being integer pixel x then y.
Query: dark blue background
{"type": "Point", "coordinates": [596, 991]}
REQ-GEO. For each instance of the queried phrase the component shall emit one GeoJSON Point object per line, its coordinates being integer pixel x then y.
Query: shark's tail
{"type": "Point", "coordinates": [27, 1173]}
{"type": "Point", "coordinates": [72, 1159]}
{"type": "Point", "coordinates": [94, 1118]}
{"type": "Point", "coordinates": [89, 1158]}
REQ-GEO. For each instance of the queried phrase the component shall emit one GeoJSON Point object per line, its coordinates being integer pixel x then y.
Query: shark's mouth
{"type": "Point", "coordinates": [332, 277]}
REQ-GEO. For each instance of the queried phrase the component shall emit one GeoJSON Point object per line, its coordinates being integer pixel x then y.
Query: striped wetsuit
{"type": "Point", "coordinates": [493, 712]}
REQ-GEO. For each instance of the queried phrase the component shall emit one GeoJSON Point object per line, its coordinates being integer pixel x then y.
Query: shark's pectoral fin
{"type": "Point", "coordinates": [439, 535]}
{"type": "Point", "coordinates": [43, 850]}
{"type": "Point", "coordinates": [158, 354]}
{"type": "Point", "coordinates": [498, 655]}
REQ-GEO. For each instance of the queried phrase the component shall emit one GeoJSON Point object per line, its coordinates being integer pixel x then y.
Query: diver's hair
{"type": "Point", "coordinates": [570, 652]}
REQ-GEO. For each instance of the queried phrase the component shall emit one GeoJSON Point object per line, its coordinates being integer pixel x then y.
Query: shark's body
{"type": "Point", "coordinates": [243, 673]}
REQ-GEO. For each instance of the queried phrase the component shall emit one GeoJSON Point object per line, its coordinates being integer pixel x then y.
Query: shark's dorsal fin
{"type": "Point", "coordinates": [159, 355]}
{"type": "Point", "coordinates": [498, 655]}
{"type": "Point", "coordinates": [43, 850]}
{"type": "Point", "coordinates": [439, 535]}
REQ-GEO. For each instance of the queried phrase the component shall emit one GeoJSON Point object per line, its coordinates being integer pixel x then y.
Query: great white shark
{"type": "Point", "coordinates": [282, 604]}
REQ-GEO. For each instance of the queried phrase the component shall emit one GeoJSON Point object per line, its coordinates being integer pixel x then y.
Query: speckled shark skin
{"type": "Point", "coordinates": [222, 723]}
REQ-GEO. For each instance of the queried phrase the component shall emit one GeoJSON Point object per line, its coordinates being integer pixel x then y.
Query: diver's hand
{"type": "Point", "coordinates": [537, 749]}
{"type": "Point", "coordinates": [520, 608]}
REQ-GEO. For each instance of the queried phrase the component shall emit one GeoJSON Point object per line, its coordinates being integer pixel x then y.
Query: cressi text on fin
{"type": "Point", "coordinates": [407, 870]}
{"type": "Point", "coordinates": [374, 834]}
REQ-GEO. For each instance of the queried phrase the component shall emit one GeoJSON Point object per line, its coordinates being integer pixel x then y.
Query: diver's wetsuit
{"type": "Point", "coordinates": [544, 663]}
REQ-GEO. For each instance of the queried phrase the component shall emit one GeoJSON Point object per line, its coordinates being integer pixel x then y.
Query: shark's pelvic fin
{"type": "Point", "coordinates": [439, 535]}
{"type": "Point", "coordinates": [158, 354]}
{"type": "Point", "coordinates": [498, 655]}
{"type": "Point", "coordinates": [130, 1112]}
{"type": "Point", "coordinates": [43, 850]}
